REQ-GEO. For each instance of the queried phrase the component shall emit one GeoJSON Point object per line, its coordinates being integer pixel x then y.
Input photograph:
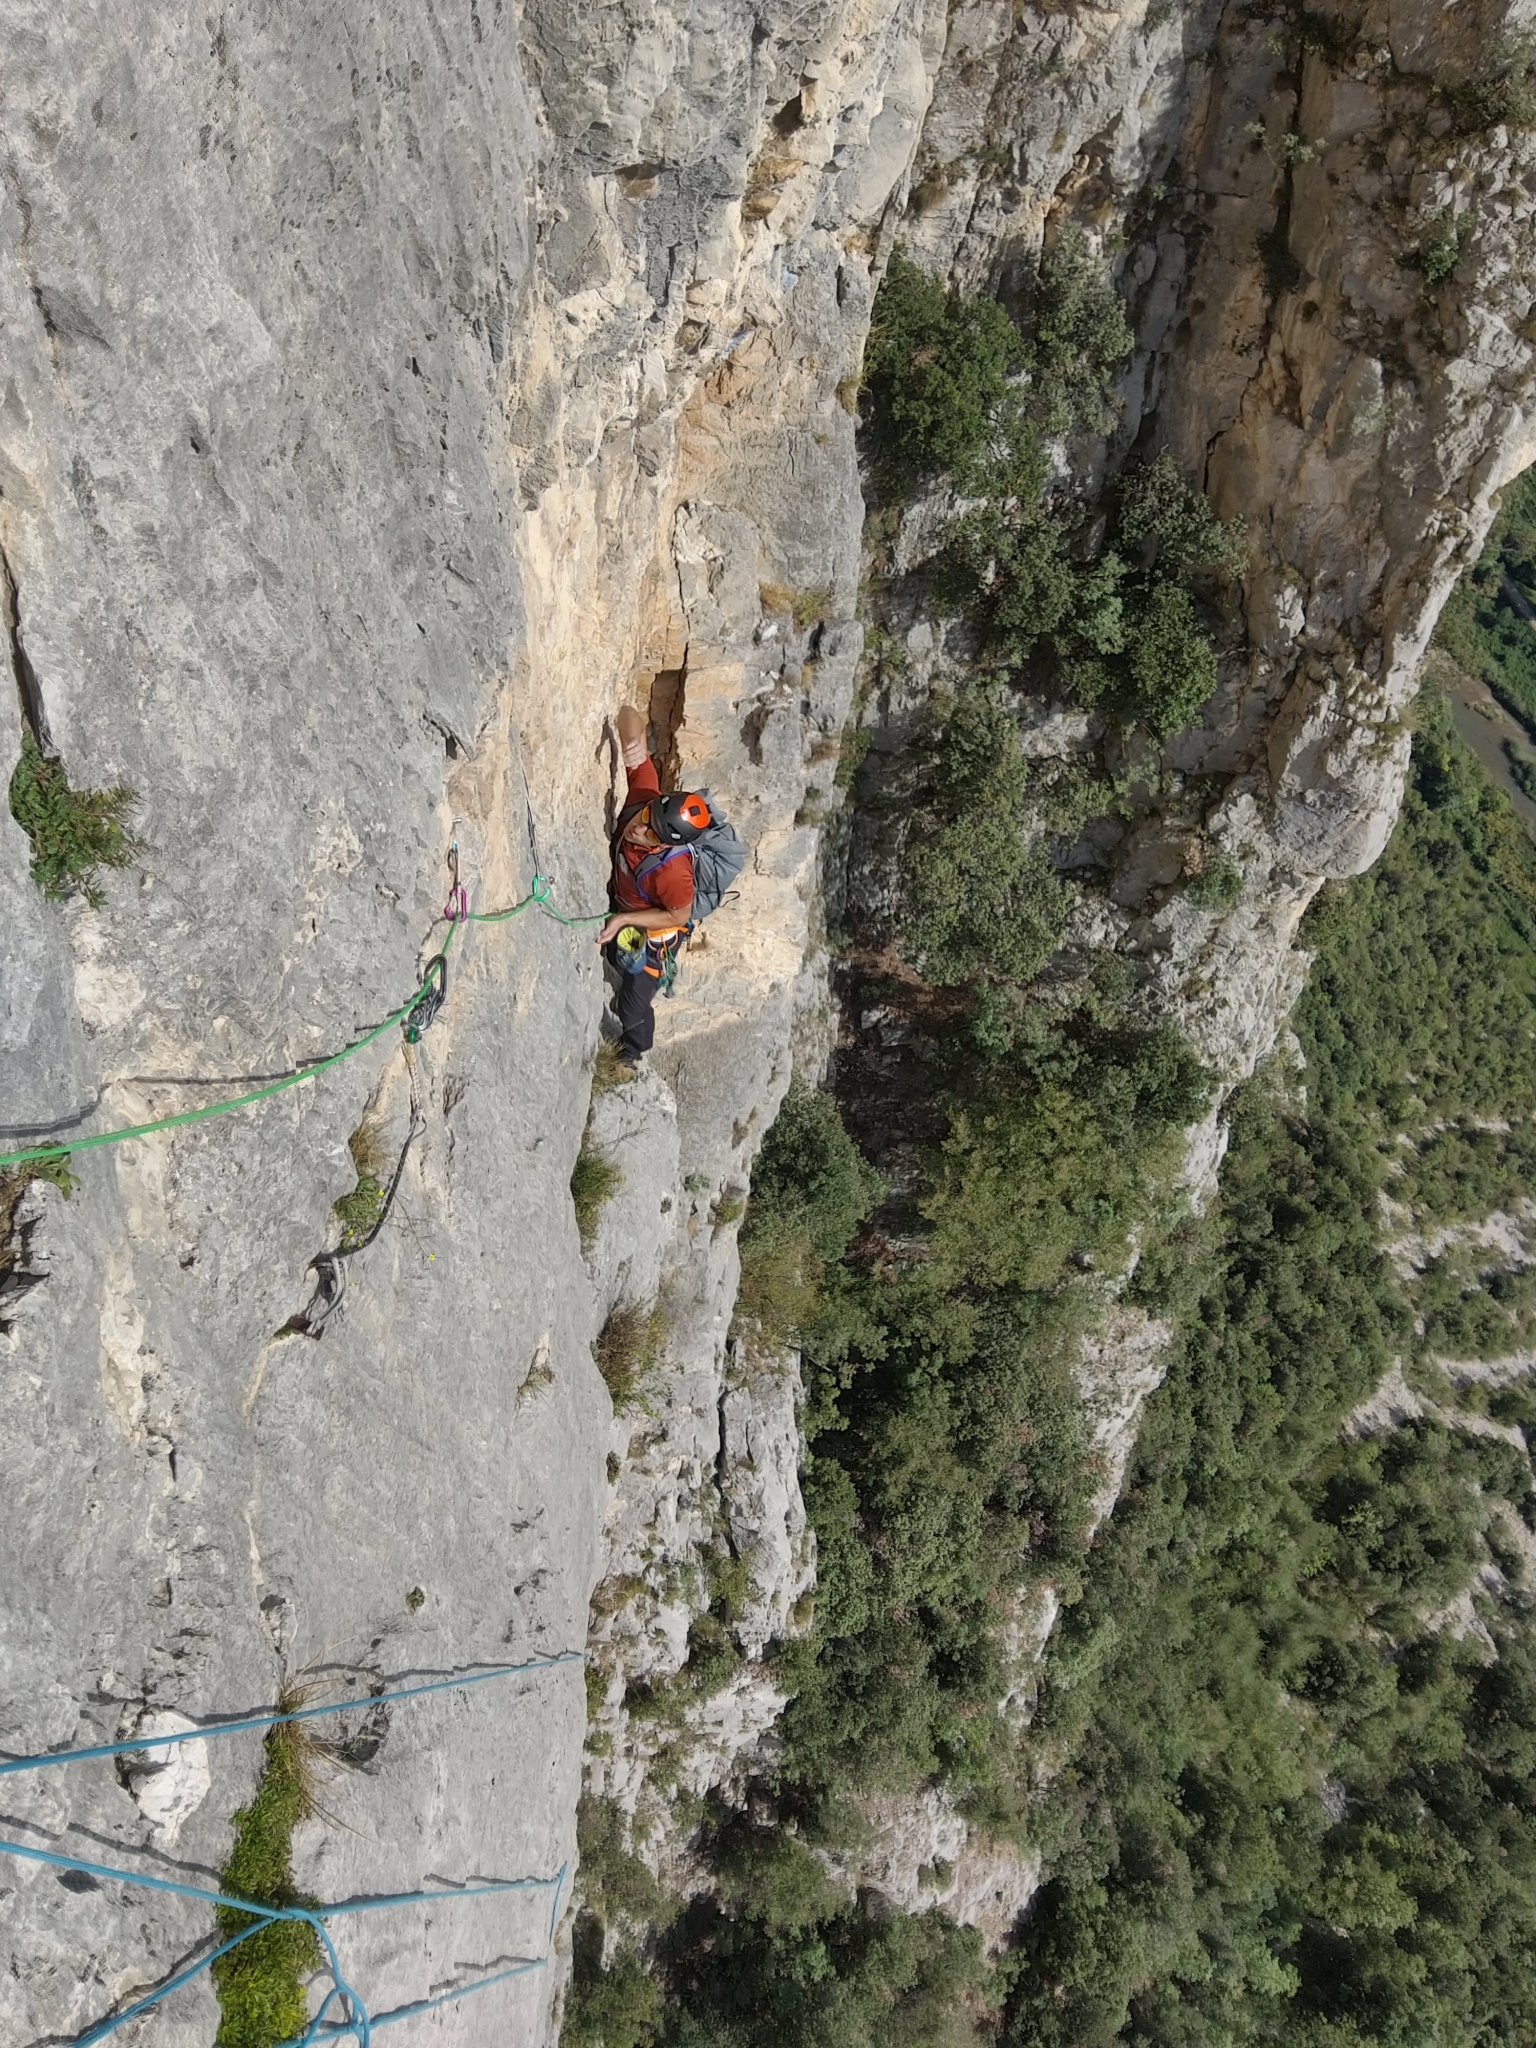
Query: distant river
{"type": "Point", "coordinates": [1484, 724]}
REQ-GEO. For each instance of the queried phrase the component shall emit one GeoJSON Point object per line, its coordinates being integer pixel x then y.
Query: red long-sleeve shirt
{"type": "Point", "coordinates": [668, 887]}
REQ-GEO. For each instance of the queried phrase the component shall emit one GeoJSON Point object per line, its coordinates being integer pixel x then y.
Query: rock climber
{"type": "Point", "coordinates": [652, 889]}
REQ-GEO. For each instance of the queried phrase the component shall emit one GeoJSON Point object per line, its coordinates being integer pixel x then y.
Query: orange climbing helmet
{"type": "Point", "coordinates": [679, 820]}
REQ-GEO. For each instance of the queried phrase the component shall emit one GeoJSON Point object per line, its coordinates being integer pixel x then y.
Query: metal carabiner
{"type": "Point", "coordinates": [429, 998]}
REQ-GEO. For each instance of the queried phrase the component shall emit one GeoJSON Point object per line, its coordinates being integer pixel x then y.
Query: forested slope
{"type": "Point", "coordinates": [1489, 624]}
{"type": "Point", "coordinates": [1282, 1786]}
{"type": "Point", "coordinates": [1296, 1801]}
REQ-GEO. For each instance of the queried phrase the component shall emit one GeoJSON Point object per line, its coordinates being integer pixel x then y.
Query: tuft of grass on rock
{"type": "Point", "coordinates": [75, 833]}
{"type": "Point", "coordinates": [16, 1179]}
{"type": "Point", "coordinates": [261, 1984]}
{"type": "Point", "coordinates": [608, 1070]}
{"type": "Point", "coordinates": [358, 1212]}
{"type": "Point", "coordinates": [813, 605]}
{"type": "Point", "coordinates": [629, 1348]}
{"type": "Point", "coordinates": [369, 1148]}
{"type": "Point", "coordinates": [595, 1180]}
{"type": "Point", "coordinates": [1218, 886]}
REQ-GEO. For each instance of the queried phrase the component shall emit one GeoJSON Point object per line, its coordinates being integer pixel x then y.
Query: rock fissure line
{"type": "Point", "coordinates": [33, 708]}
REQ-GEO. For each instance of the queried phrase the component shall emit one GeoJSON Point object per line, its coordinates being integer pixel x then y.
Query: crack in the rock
{"type": "Point", "coordinates": [30, 690]}
{"type": "Point", "coordinates": [17, 1274]}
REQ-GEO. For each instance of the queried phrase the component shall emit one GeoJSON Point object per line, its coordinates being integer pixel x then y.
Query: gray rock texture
{"type": "Point", "coordinates": [388, 392]}
{"type": "Point", "coordinates": [257, 287]}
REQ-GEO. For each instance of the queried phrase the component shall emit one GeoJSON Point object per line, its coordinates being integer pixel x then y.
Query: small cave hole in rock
{"type": "Point", "coordinates": [78, 1881]}
{"type": "Point", "coordinates": [791, 117]}
{"type": "Point", "coordinates": [638, 181]}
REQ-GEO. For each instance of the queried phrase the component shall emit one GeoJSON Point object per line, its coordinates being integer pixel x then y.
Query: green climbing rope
{"type": "Point", "coordinates": [538, 897]}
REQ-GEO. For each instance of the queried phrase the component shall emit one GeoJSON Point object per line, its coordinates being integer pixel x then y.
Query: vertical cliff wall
{"type": "Point", "coordinates": [387, 396]}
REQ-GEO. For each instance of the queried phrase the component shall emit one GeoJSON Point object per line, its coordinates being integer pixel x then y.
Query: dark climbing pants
{"type": "Point", "coordinates": [637, 1014]}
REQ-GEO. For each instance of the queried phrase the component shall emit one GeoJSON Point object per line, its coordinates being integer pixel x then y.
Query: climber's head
{"type": "Point", "coordinates": [680, 819]}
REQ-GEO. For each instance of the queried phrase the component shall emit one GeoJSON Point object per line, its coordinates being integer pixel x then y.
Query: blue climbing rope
{"type": "Point", "coordinates": [313, 1917]}
{"type": "Point", "coordinates": [47, 1759]}
{"type": "Point", "coordinates": [356, 2024]}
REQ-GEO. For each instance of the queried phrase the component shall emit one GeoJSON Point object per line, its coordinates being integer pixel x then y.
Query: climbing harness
{"type": "Point", "coordinates": [716, 856]}
{"type": "Point", "coordinates": [354, 2023]}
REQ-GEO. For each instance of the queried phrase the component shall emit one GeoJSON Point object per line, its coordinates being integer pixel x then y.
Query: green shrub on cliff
{"type": "Point", "coordinates": [1079, 338]}
{"type": "Point", "coordinates": [985, 901]}
{"type": "Point", "coordinates": [1501, 90]}
{"type": "Point", "coordinates": [955, 388]}
{"type": "Point", "coordinates": [1161, 511]}
{"type": "Point", "coordinates": [937, 371]}
{"type": "Point", "coordinates": [953, 385]}
{"type": "Point", "coordinates": [75, 833]}
{"type": "Point", "coordinates": [811, 1189]}
{"type": "Point", "coordinates": [1170, 664]}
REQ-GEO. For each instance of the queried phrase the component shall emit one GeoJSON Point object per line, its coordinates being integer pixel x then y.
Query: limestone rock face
{"type": "Point", "coordinates": [168, 1781]}
{"type": "Point", "coordinates": [388, 392]}
{"type": "Point", "coordinates": [925, 1855]}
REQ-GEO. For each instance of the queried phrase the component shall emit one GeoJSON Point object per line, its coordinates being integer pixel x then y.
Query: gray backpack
{"type": "Point", "coordinates": [718, 858]}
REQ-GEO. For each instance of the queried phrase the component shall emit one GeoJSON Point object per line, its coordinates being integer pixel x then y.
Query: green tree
{"type": "Point", "coordinates": [985, 899]}
{"type": "Point", "coordinates": [1080, 336]}
{"type": "Point", "coordinates": [937, 374]}
{"type": "Point", "coordinates": [1169, 518]}
{"type": "Point", "coordinates": [1170, 667]}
